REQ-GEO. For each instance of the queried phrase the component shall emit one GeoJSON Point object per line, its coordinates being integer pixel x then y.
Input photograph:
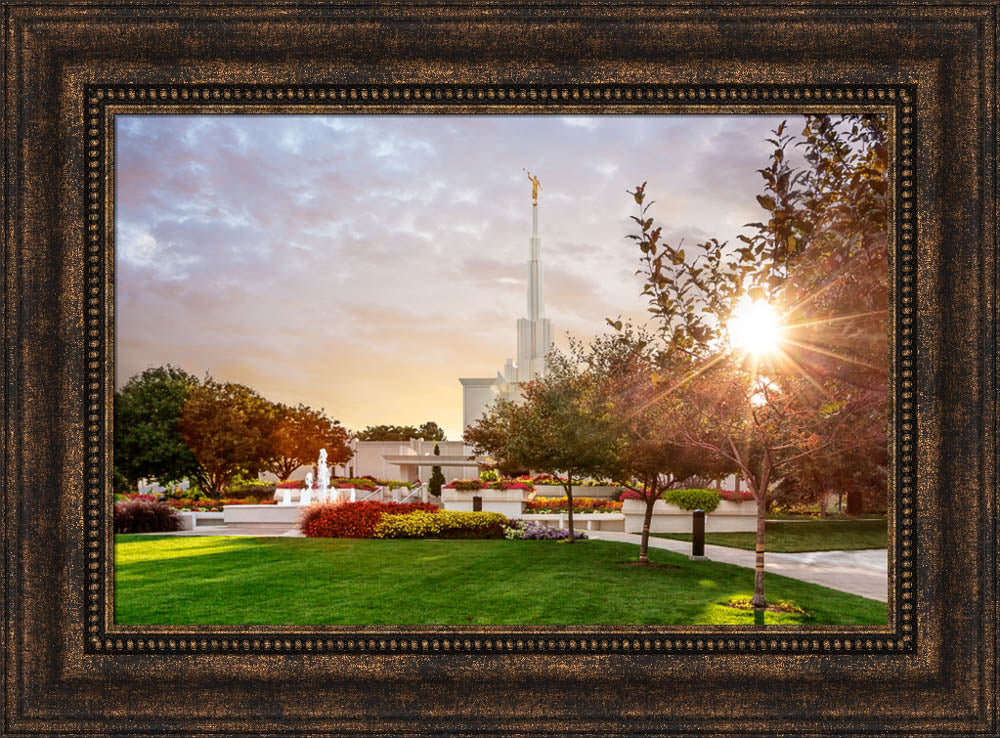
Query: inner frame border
{"type": "Point", "coordinates": [103, 102]}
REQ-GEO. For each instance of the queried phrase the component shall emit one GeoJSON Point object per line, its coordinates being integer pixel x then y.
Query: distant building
{"type": "Point", "coordinates": [534, 340]}
{"type": "Point", "coordinates": [409, 461]}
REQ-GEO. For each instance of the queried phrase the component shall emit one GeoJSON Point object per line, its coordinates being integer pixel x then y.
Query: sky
{"type": "Point", "coordinates": [362, 264]}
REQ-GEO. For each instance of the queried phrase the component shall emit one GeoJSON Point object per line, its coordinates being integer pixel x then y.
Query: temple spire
{"type": "Point", "coordinates": [536, 305]}
{"type": "Point", "coordinates": [534, 331]}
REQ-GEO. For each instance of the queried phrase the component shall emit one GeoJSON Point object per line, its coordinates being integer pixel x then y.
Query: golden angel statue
{"type": "Point", "coordinates": [535, 187]}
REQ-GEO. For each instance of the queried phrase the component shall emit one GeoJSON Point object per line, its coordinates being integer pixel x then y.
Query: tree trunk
{"type": "Point", "coordinates": [855, 502]}
{"type": "Point", "coordinates": [758, 601]}
{"type": "Point", "coordinates": [647, 520]}
{"type": "Point", "coordinates": [569, 504]}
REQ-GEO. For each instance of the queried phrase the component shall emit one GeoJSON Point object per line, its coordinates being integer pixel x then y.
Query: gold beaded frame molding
{"type": "Point", "coordinates": [104, 102]}
{"type": "Point", "coordinates": [70, 66]}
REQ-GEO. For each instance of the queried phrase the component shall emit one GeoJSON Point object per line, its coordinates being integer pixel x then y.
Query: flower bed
{"type": "Point", "coordinates": [352, 519]}
{"type": "Point", "coordinates": [541, 505]}
{"type": "Point", "coordinates": [444, 524]}
{"type": "Point", "coordinates": [547, 480]}
{"type": "Point", "coordinates": [210, 505]}
{"type": "Point", "coordinates": [474, 485]}
{"type": "Point", "coordinates": [733, 496]}
{"type": "Point", "coordinates": [529, 530]}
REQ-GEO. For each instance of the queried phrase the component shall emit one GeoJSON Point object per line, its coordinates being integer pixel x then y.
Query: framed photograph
{"type": "Point", "coordinates": [467, 369]}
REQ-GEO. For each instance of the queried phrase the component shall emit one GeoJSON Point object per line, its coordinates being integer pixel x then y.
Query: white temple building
{"type": "Point", "coordinates": [534, 340]}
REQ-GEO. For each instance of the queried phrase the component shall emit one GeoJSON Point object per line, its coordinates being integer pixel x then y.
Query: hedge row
{"type": "Point", "coordinates": [352, 519]}
{"type": "Point", "coordinates": [443, 524]}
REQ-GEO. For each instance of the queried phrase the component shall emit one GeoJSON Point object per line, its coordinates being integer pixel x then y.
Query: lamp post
{"type": "Point", "coordinates": [698, 536]}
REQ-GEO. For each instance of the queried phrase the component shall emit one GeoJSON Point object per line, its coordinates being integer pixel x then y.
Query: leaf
{"type": "Point", "coordinates": [766, 202]}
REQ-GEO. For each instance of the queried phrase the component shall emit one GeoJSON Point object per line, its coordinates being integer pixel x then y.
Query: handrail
{"type": "Point", "coordinates": [413, 491]}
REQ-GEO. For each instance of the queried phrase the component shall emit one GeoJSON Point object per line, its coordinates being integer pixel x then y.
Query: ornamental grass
{"type": "Point", "coordinates": [145, 516]}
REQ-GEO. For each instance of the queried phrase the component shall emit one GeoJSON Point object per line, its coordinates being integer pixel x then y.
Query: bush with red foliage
{"type": "Point", "coordinates": [352, 519]}
{"type": "Point", "coordinates": [145, 516]}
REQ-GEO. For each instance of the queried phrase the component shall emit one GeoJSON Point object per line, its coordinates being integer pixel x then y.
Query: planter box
{"type": "Point", "coordinates": [728, 517]}
{"type": "Point", "coordinates": [600, 491]}
{"type": "Point", "coordinates": [261, 514]}
{"type": "Point", "coordinates": [191, 519]}
{"type": "Point", "coordinates": [509, 502]}
{"type": "Point", "coordinates": [581, 521]}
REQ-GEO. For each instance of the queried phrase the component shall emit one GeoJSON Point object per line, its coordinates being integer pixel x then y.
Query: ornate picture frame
{"type": "Point", "coordinates": [69, 69]}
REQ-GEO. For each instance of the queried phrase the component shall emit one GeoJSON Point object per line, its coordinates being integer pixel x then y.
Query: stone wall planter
{"type": "Point", "coordinates": [581, 521]}
{"type": "Point", "coordinates": [728, 517]}
{"type": "Point", "coordinates": [509, 502]}
{"type": "Point", "coordinates": [261, 514]}
{"type": "Point", "coordinates": [599, 491]}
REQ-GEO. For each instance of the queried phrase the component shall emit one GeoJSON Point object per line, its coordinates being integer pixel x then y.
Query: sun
{"type": "Point", "coordinates": [754, 328]}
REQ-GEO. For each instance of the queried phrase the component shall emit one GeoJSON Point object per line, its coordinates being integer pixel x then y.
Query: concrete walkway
{"type": "Point", "coordinates": [864, 573]}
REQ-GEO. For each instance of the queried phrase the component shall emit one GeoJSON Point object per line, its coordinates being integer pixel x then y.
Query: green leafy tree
{"type": "Point", "coordinates": [229, 429]}
{"type": "Point", "coordinates": [630, 371]}
{"type": "Point", "coordinates": [429, 431]}
{"type": "Point", "coordinates": [437, 478]}
{"type": "Point", "coordinates": [148, 441]}
{"type": "Point", "coordinates": [562, 428]}
{"type": "Point", "coordinates": [298, 435]}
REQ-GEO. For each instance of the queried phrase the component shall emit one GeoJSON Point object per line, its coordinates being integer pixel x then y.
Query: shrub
{"type": "Point", "coordinates": [444, 524]}
{"type": "Point", "coordinates": [364, 483]}
{"type": "Point", "coordinates": [465, 485]}
{"type": "Point", "coordinates": [630, 494]}
{"type": "Point", "coordinates": [436, 481]}
{"type": "Point", "coordinates": [145, 516]}
{"type": "Point", "coordinates": [531, 530]}
{"type": "Point", "coordinates": [693, 499]}
{"type": "Point", "coordinates": [352, 519]}
{"type": "Point", "coordinates": [251, 490]}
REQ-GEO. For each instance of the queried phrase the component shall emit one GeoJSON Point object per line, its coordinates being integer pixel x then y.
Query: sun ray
{"type": "Point", "coordinates": [805, 374]}
{"type": "Point", "coordinates": [679, 383]}
{"type": "Point", "coordinates": [835, 355]}
{"type": "Point", "coordinates": [834, 319]}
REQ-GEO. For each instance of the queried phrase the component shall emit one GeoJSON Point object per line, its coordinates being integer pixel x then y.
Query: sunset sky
{"type": "Point", "coordinates": [362, 264]}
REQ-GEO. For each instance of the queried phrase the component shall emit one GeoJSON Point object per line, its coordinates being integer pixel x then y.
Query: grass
{"type": "Point", "coordinates": [792, 537]}
{"type": "Point", "coordinates": [170, 580]}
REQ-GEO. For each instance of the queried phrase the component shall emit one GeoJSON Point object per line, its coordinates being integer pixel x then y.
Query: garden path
{"type": "Point", "coordinates": [864, 573]}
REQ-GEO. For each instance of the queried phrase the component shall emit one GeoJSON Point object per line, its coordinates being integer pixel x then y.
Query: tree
{"type": "Point", "coordinates": [629, 371]}
{"type": "Point", "coordinates": [816, 263]}
{"type": "Point", "coordinates": [561, 428]}
{"type": "Point", "coordinates": [761, 424]}
{"type": "Point", "coordinates": [429, 431]}
{"type": "Point", "coordinates": [148, 442]}
{"type": "Point", "coordinates": [229, 428]}
{"type": "Point", "coordinates": [299, 434]}
{"type": "Point", "coordinates": [437, 478]}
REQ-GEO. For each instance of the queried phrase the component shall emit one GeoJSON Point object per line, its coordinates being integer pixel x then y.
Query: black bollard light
{"type": "Point", "coordinates": [698, 535]}
{"type": "Point", "coordinates": [477, 504]}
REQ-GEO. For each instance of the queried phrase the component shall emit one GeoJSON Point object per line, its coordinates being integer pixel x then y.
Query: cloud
{"type": "Point", "coordinates": [364, 263]}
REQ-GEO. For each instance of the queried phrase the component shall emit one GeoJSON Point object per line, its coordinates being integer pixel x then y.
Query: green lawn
{"type": "Point", "coordinates": [168, 580]}
{"type": "Point", "coordinates": [791, 537]}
